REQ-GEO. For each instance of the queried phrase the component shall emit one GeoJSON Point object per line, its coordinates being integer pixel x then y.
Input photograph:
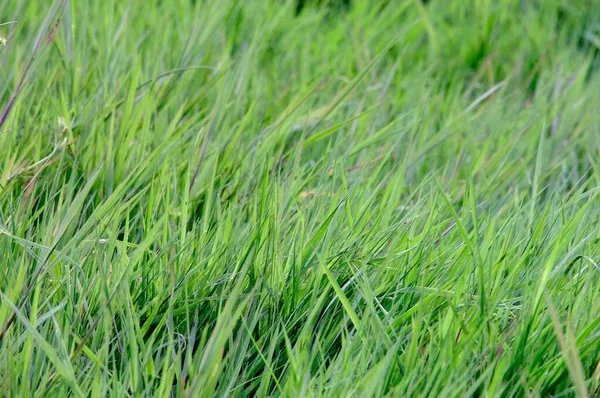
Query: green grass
{"type": "Point", "coordinates": [224, 198]}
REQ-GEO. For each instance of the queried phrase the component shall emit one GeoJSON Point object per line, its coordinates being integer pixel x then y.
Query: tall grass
{"type": "Point", "coordinates": [230, 198]}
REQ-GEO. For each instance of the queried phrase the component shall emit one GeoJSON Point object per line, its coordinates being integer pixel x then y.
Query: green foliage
{"type": "Point", "coordinates": [224, 198]}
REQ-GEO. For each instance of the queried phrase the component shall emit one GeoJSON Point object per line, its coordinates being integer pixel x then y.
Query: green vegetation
{"type": "Point", "coordinates": [250, 198]}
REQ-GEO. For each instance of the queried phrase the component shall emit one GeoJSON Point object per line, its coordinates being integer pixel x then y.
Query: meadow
{"type": "Point", "coordinates": [330, 199]}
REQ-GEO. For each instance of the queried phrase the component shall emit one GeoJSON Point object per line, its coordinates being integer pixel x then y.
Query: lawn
{"type": "Point", "coordinates": [266, 198]}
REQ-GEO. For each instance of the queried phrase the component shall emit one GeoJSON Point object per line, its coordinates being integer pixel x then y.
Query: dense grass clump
{"type": "Point", "coordinates": [346, 198]}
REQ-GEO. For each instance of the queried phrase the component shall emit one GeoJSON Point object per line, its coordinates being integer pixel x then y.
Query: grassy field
{"type": "Point", "coordinates": [248, 198]}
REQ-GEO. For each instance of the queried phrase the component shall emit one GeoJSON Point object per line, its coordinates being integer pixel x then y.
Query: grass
{"type": "Point", "coordinates": [248, 198]}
